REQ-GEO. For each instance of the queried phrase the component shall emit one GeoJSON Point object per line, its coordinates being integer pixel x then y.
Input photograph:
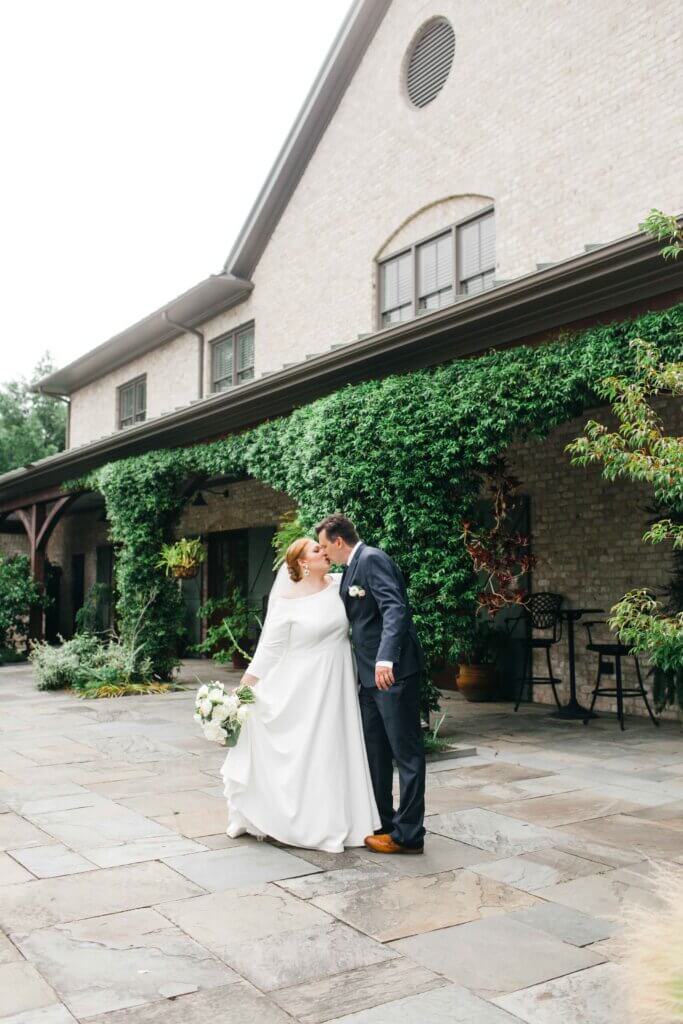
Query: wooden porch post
{"type": "Point", "coordinates": [39, 524]}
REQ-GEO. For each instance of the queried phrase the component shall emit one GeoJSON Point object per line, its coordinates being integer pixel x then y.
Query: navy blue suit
{"type": "Point", "coordinates": [382, 629]}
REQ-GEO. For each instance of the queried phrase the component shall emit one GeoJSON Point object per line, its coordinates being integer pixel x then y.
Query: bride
{"type": "Point", "coordinates": [299, 771]}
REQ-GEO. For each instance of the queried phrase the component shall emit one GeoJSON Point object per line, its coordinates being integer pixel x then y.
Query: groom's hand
{"type": "Point", "coordinates": [384, 677]}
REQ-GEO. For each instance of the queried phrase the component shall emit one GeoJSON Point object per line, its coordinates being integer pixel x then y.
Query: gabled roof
{"type": "Point", "coordinates": [219, 292]}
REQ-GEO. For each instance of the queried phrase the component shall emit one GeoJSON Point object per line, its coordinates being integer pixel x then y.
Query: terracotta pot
{"type": "Point", "coordinates": [185, 572]}
{"type": "Point", "coordinates": [239, 661]}
{"type": "Point", "coordinates": [478, 682]}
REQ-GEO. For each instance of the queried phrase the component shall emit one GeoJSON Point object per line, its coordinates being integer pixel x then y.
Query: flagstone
{"type": "Point", "coordinates": [134, 784]}
{"type": "Point", "coordinates": [151, 848]}
{"type": "Point", "coordinates": [222, 920]}
{"type": "Point", "coordinates": [647, 838]}
{"type": "Point", "coordinates": [440, 854]}
{"type": "Point", "coordinates": [51, 861]}
{"type": "Point", "coordinates": [320, 1001]}
{"type": "Point", "coordinates": [491, 831]}
{"type": "Point", "coordinates": [594, 995]}
{"type": "Point", "coordinates": [15, 832]}
{"type": "Point", "coordinates": [101, 823]}
{"type": "Point", "coordinates": [534, 871]}
{"type": "Point", "coordinates": [323, 883]}
{"type": "Point", "coordinates": [121, 960]}
{"type": "Point", "coordinates": [186, 801]}
{"type": "Point", "coordinates": [239, 1003]}
{"type": "Point", "coordinates": [239, 867]}
{"type": "Point", "coordinates": [448, 1005]}
{"type": "Point", "coordinates": [192, 824]}
{"type": "Point", "coordinates": [409, 906]}
{"type": "Point", "coordinates": [58, 751]}
{"type": "Point", "coordinates": [47, 901]}
{"type": "Point", "coordinates": [11, 871]}
{"type": "Point", "coordinates": [565, 923]}
{"type": "Point", "coordinates": [669, 814]}
{"type": "Point", "coordinates": [22, 989]}
{"type": "Point", "coordinates": [281, 961]}
{"type": "Point", "coordinates": [8, 951]}
{"type": "Point", "coordinates": [57, 1013]}
{"type": "Point", "coordinates": [495, 955]}
{"type": "Point", "coordinates": [603, 895]}
{"type": "Point", "coordinates": [564, 808]}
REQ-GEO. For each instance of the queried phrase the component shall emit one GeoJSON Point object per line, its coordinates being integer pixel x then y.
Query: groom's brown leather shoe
{"type": "Point", "coordinates": [385, 844]}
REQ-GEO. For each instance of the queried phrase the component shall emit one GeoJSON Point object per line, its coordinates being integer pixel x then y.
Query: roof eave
{"type": "Point", "coordinates": [324, 96]}
{"type": "Point", "coordinates": [213, 295]}
{"type": "Point", "coordinates": [612, 277]}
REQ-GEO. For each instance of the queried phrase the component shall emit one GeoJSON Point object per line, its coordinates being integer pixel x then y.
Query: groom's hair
{"type": "Point", "coordinates": [336, 526]}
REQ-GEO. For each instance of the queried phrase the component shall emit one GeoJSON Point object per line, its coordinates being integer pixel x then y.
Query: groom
{"type": "Point", "coordinates": [390, 662]}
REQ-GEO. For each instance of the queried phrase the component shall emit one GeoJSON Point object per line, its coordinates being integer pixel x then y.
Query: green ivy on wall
{"type": "Point", "coordinates": [402, 456]}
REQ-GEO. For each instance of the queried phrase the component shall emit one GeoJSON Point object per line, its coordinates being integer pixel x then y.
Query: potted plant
{"type": "Point", "coordinates": [477, 677]}
{"type": "Point", "coordinates": [229, 637]}
{"type": "Point", "coordinates": [182, 558]}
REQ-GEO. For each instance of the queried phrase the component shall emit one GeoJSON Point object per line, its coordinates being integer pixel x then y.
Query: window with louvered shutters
{"type": "Point", "coordinates": [222, 364]}
{"type": "Point", "coordinates": [477, 255]}
{"type": "Point", "coordinates": [435, 273]}
{"type": "Point", "coordinates": [430, 61]}
{"type": "Point", "coordinates": [132, 402]}
{"type": "Point", "coordinates": [396, 282]}
{"type": "Point", "coordinates": [245, 355]}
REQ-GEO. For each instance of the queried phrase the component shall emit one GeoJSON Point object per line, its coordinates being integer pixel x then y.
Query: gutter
{"type": "Point", "coordinates": [201, 343]}
{"type": "Point", "coordinates": [605, 280]}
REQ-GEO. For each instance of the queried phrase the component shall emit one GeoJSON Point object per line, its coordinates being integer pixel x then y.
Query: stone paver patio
{"type": "Point", "coordinates": [123, 902]}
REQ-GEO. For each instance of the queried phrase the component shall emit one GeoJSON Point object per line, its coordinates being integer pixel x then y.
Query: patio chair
{"type": "Point", "coordinates": [543, 614]}
{"type": "Point", "coordinates": [609, 655]}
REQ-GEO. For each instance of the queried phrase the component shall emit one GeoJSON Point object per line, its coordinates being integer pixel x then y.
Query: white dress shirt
{"type": "Point", "coordinates": [354, 552]}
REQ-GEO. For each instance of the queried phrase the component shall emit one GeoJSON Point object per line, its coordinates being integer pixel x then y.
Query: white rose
{"type": "Point", "coordinates": [197, 717]}
{"type": "Point", "coordinates": [202, 691]}
{"type": "Point", "coordinates": [221, 713]}
{"type": "Point", "coordinates": [216, 694]}
{"type": "Point", "coordinates": [242, 714]}
{"type": "Point", "coordinates": [205, 707]}
{"type": "Point", "coordinates": [231, 702]}
{"type": "Point", "coordinates": [214, 732]}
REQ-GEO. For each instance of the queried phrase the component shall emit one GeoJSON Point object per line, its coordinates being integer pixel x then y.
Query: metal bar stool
{"type": "Point", "coordinates": [609, 663]}
{"type": "Point", "coordinates": [543, 611]}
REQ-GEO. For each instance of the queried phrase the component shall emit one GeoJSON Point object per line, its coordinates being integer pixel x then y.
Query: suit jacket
{"type": "Point", "coordinates": [382, 627]}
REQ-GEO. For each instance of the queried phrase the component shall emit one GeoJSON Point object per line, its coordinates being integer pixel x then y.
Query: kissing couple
{"type": "Point", "coordinates": [313, 765]}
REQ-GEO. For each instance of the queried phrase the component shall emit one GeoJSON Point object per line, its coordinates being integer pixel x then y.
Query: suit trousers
{"type": "Point", "coordinates": [392, 729]}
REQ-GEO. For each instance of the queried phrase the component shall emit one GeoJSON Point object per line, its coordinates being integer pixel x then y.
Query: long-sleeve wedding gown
{"type": "Point", "coordinates": [299, 771]}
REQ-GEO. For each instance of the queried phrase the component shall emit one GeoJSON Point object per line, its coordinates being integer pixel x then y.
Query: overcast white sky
{"type": "Point", "coordinates": [135, 136]}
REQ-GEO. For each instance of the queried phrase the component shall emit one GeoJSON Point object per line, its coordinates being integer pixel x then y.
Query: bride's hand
{"type": "Point", "coordinates": [248, 680]}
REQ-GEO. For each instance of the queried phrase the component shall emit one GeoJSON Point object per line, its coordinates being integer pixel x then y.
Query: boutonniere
{"type": "Point", "coordinates": [356, 592]}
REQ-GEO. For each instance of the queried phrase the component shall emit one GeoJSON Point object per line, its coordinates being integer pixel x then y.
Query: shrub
{"type": "Point", "coordinates": [67, 665]}
{"type": "Point", "coordinates": [18, 591]}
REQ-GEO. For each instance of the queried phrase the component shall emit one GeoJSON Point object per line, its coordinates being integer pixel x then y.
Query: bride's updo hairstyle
{"type": "Point", "coordinates": [295, 551]}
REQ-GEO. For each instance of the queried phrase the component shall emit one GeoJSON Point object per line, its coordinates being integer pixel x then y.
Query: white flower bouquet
{"type": "Point", "coordinates": [220, 714]}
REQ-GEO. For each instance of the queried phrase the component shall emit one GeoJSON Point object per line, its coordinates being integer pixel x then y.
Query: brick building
{"type": "Point", "coordinates": [462, 176]}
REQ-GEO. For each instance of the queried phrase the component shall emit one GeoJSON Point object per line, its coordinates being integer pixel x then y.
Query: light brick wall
{"type": "Point", "coordinates": [587, 539]}
{"type": "Point", "coordinates": [249, 503]}
{"type": "Point", "coordinates": [172, 380]}
{"type": "Point", "coordinates": [566, 116]}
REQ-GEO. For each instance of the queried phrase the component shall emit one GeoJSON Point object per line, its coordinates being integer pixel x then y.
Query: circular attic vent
{"type": "Point", "coordinates": [429, 61]}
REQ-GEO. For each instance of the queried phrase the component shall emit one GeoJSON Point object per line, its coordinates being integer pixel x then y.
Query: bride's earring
{"type": "Point", "coordinates": [307, 571]}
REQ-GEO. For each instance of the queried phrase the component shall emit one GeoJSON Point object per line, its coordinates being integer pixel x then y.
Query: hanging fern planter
{"type": "Point", "coordinates": [402, 456]}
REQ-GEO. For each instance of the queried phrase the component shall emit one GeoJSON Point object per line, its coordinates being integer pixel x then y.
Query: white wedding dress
{"type": "Point", "coordinates": [299, 770]}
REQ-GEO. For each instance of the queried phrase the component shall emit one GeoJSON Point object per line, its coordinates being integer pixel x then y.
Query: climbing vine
{"type": "Point", "coordinates": [402, 456]}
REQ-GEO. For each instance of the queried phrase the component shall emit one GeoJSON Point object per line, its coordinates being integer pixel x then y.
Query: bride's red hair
{"type": "Point", "coordinates": [295, 551]}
